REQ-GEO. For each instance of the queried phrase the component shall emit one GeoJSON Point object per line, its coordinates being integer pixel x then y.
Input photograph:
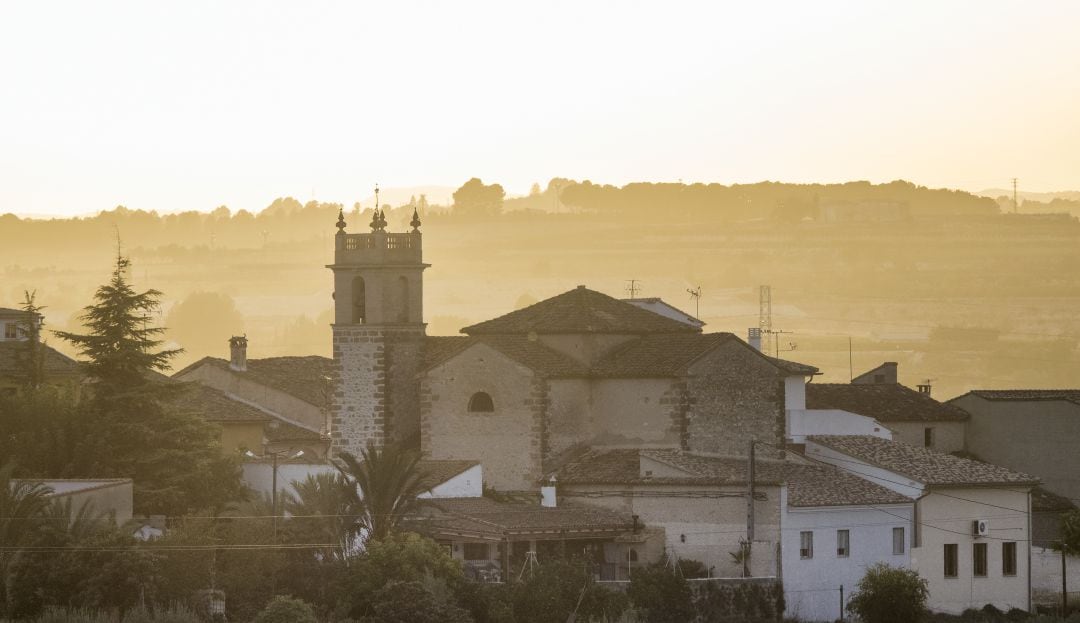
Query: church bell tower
{"type": "Point", "coordinates": [378, 334]}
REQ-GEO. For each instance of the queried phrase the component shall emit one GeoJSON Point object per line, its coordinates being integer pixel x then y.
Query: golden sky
{"type": "Point", "coordinates": [190, 105]}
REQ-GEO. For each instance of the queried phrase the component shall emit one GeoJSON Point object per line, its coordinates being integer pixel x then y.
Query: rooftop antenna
{"type": "Point", "coordinates": [695, 293]}
{"type": "Point", "coordinates": [632, 287]}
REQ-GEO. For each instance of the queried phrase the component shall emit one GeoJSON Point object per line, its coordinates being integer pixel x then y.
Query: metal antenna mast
{"type": "Point", "coordinates": [632, 287]}
{"type": "Point", "coordinates": [695, 293]}
{"type": "Point", "coordinates": [765, 316]}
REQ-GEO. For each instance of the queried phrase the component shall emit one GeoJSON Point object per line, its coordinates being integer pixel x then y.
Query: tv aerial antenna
{"type": "Point", "coordinates": [695, 293]}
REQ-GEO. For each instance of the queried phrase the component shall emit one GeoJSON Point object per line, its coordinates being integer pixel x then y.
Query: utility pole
{"type": "Point", "coordinates": [1016, 204]}
{"type": "Point", "coordinates": [749, 511]}
{"type": "Point", "coordinates": [1064, 585]}
{"type": "Point", "coordinates": [841, 603]}
{"type": "Point", "coordinates": [850, 367]}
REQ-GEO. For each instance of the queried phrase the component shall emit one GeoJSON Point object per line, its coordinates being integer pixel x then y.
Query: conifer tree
{"type": "Point", "coordinates": [30, 357]}
{"type": "Point", "coordinates": [173, 457]}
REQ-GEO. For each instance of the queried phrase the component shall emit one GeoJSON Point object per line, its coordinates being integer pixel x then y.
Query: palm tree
{"type": "Point", "coordinates": [387, 481]}
{"type": "Point", "coordinates": [22, 506]}
{"type": "Point", "coordinates": [325, 510]}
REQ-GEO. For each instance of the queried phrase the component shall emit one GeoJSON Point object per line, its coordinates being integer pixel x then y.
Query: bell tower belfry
{"type": "Point", "coordinates": [378, 334]}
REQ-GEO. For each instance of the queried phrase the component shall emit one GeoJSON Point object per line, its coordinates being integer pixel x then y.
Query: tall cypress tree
{"type": "Point", "coordinates": [30, 358]}
{"type": "Point", "coordinates": [173, 457]}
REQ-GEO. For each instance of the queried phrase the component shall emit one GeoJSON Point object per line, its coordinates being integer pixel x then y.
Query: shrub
{"type": "Point", "coordinates": [889, 595]}
{"type": "Point", "coordinates": [660, 595]}
{"type": "Point", "coordinates": [283, 609]}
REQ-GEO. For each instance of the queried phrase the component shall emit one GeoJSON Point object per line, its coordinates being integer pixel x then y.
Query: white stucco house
{"type": "Point", "coordinates": [834, 526]}
{"type": "Point", "coordinates": [971, 521]}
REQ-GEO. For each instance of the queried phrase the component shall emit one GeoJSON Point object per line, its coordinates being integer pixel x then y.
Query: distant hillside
{"type": "Point", "coordinates": [994, 193]}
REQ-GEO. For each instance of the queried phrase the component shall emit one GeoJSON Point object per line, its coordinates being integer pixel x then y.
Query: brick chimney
{"type": "Point", "coordinates": [238, 353]}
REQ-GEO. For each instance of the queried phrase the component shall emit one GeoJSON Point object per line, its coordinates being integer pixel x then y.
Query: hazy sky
{"type": "Point", "coordinates": [190, 105]}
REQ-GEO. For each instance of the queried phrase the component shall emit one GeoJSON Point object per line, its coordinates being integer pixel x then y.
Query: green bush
{"type": "Point", "coordinates": [283, 609]}
{"type": "Point", "coordinates": [660, 595]}
{"type": "Point", "coordinates": [890, 595]}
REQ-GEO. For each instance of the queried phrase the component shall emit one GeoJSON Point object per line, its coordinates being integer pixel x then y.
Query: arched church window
{"type": "Point", "coordinates": [403, 299]}
{"type": "Point", "coordinates": [359, 301]}
{"type": "Point", "coordinates": [633, 555]}
{"type": "Point", "coordinates": [481, 403]}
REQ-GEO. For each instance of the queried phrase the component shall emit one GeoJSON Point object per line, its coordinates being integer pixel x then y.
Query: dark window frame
{"type": "Point", "coordinates": [470, 551]}
{"type": "Point", "coordinates": [481, 402]}
{"type": "Point", "coordinates": [843, 545]}
{"type": "Point", "coordinates": [901, 542]}
{"type": "Point", "coordinates": [806, 545]}
{"type": "Point", "coordinates": [1008, 559]}
{"type": "Point", "coordinates": [952, 560]}
{"type": "Point", "coordinates": [980, 560]}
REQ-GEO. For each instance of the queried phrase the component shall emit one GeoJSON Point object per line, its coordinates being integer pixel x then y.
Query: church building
{"type": "Point", "coordinates": [526, 392]}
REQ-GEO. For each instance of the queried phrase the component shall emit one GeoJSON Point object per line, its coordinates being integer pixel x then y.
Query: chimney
{"type": "Point", "coordinates": [547, 494]}
{"type": "Point", "coordinates": [754, 338]}
{"type": "Point", "coordinates": [924, 388]}
{"type": "Point", "coordinates": [238, 353]}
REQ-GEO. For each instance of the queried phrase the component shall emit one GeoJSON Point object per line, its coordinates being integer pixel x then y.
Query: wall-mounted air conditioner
{"type": "Point", "coordinates": [980, 527]}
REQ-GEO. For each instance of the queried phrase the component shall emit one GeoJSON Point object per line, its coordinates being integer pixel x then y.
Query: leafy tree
{"type": "Point", "coordinates": [558, 588]}
{"type": "Point", "coordinates": [661, 595]}
{"type": "Point", "coordinates": [30, 358]}
{"type": "Point", "coordinates": [887, 594]}
{"type": "Point", "coordinates": [204, 321]}
{"type": "Point", "coordinates": [44, 431]}
{"type": "Point", "coordinates": [1070, 532]}
{"type": "Point", "coordinates": [173, 457]}
{"type": "Point", "coordinates": [386, 481]}
{"type": "Point", "coordinates": [282, 609]}
{"type": "Point", "coordinates": [22, 505]}
{"type": "Point", "coordinates": [404, 557]}
{"type": "Point", "coordinates": [416, 602]}
{"type": "Point", "coordinates": [475, 198]}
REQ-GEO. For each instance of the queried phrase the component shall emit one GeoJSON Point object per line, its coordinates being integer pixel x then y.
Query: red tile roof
{"type": "Point", "coordinates": [486, 518]}
{"type": "Point", "coordinates": [888, 402]}
{"type": "Point", "coordinates": [580, 310]}
{"type": "Point", "coordinates": [921, 464]}
{"type": "Point", "coordinates": [818, 485]}
{"type": "Point", "coordinates": [623, 466]}
{"type": "Point", "coordinates": [1067, 395]}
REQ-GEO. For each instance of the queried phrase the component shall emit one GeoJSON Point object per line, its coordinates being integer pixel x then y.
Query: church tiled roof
{"type": "Point", "coordinates": [610, 466]}
{"type": "Point", "coordinates": [533, 354]}
{"type": "Point", "coordinates": [580, 310]}
{"type": "Point", "coordinates": [920, 464]}
{"type": "Point", "coordinates": [669, 355]}
{"type": "Point", "coordinates": [885, 402]}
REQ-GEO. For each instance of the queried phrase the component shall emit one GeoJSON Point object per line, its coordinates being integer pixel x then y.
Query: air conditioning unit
{"type": "Point", "coordinates": [980, 527]}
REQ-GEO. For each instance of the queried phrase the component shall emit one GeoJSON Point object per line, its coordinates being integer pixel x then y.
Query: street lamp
{"type": "Point", "coordinates": [273, 487]}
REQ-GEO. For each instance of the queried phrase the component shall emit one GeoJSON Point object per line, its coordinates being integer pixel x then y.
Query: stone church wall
{"type": "Point", "coordinates": [359, 405]}
{"type": "Point", "coordinates": [509, 441]}
{"type": "Point", "coordinates": [735, 395]}
{"type": "Point", "coordinates": [569, 417]}
{"type": "Point", "coordinates": [636, 412]}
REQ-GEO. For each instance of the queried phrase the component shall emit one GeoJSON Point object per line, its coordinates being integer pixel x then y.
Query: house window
{"type": "Point", "coordinates": [897, 541]}
{"type": "Point", "coordinates": [633, 555]}
{"type": "Point", "coordinates": [481, 403]}
{"type": "Point", "coordinates": [476, 551]}
{"type": "Point", "coordinates": [952, 560]}
{"type": "Point", "coordinates": [978, 560]}
{"type": "Point", "coordinates": [1008, 558]}
{"type": "Point", "coordinates": [843, 543]}
{"type": "Point", "coordinates": [11, 331]}
{"type": "Point", "coordinates": [928, 437]}
{"type": "Point", "coordinates": [806, 545]}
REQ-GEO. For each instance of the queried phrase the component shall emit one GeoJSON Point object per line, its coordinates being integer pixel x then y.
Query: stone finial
{"type": "Point", "coordinates": [415, 222]}
{"type": "Point", "coordinates": [341, 221]}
